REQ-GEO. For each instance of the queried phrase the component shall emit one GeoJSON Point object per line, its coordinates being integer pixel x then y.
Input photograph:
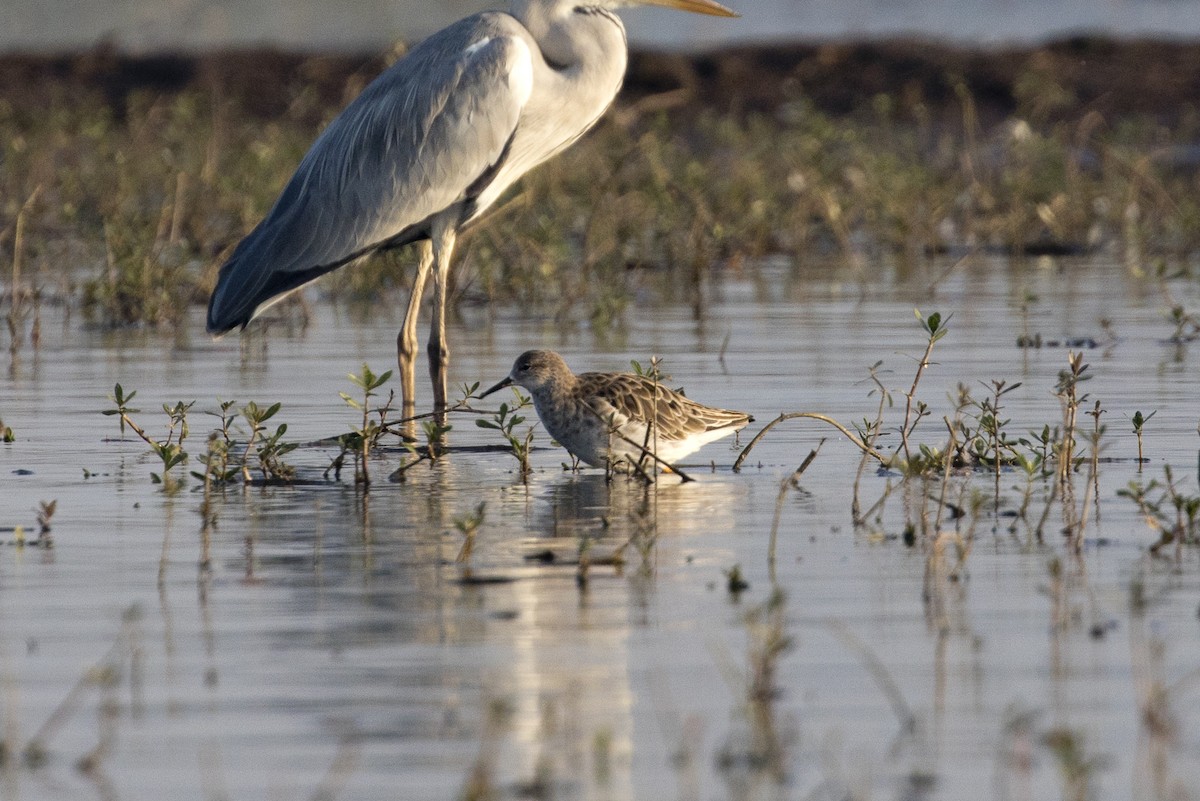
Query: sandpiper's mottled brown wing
{"type": "Point", "coordinates": [640, 399]}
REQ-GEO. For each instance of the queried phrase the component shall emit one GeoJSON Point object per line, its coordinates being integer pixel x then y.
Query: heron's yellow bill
{"type": "Point", "coordinates": [695, 6]}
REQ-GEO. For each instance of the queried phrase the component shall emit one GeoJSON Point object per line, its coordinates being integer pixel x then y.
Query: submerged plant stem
{"type": "Point", "coordinates": [789, 481]}
{"type": "Point", "coordinates": [864, 447]}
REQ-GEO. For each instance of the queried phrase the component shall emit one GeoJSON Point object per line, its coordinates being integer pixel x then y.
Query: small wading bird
{"type": "Point", "coordinates": [615, 417]}
{"type": "Point", "coordinates": [426, 148]}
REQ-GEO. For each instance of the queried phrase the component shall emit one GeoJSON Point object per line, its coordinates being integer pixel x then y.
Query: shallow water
{"type": "Point", "coordinates": [335, 649]}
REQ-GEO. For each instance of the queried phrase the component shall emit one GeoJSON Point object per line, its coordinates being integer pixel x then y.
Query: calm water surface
{"type": "Point", "coordinates": [337, 650]}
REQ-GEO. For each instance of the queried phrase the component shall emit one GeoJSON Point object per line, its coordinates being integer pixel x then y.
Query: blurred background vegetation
{"type": "Point", "coordinates": [125, 181]}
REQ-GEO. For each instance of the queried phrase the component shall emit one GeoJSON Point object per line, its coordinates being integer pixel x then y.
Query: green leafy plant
{"type": "Point", "coordinates": [1139, 422]}
{"type": "Point", "coordinates": [170, 450]}
{"type": "Point", "coordinates": [361, 440]}
{"type": "Point", "coordinates": [653, 371]}
{"type": "Point", "coordinates": [1166, 509]}
{"type": "Point", "coordinates": [1186, 326]}
{"type": "Point", "coordinates": [123, 410]}
{"type": "Point", "coordinates": [267, 448]}
{"type": "Point", "coordinates": [435, 436]}
{"type": "Point", "coordinates": [1043, 444]}
{"type": "Point", "coordinates": [935, 328]}
{"type": "Point", "coordinates": [219, 467]}
{"type": "Point", "coordinates": [991, 426]}
{"type": "Point", "coordinates": [505, 420]}
{"type": "Point", "coordinates": [216, 460]}
{"type": "Point", "coordinates": [1067, 390]}
{"type": "Point", "coordinates": [433, 427]}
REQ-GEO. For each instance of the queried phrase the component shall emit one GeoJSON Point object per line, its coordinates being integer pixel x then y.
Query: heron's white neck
{"type": "Point", "coordinates": [582, 64]}
{"type": "Point", "coordinates": [577, 37]}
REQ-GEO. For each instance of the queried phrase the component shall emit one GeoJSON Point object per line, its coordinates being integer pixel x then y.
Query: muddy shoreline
{"type": "Point", "coordinates": [1114, 78]}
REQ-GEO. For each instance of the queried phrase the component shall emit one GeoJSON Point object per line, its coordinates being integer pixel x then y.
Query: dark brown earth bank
{"type": "Point", "coordinates": [1155, 79]}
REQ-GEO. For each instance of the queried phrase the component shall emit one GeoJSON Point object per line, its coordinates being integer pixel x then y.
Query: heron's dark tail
{"type": "Point", "coordinates": [234, 300]}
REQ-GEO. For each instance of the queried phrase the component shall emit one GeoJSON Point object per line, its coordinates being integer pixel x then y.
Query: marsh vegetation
{"type": "Point", "coordinates": [126, 182]}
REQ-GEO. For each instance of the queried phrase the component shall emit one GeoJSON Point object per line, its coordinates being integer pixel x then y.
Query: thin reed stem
{"type": "Point", "coordinates": [864, 447]}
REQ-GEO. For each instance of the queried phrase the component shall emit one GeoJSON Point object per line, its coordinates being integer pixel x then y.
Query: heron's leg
{"type": "Point", "coordinates": [406, 341]}
{"type": "Point", "coordinates": [439, 349]}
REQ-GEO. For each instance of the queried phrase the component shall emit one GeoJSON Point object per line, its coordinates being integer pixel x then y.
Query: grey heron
{"type": "Point", "coordinates": [426, 148]}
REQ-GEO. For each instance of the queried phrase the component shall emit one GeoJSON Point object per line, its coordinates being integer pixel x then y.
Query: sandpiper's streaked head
{"type": "Point", "coordinates": [536, 371]}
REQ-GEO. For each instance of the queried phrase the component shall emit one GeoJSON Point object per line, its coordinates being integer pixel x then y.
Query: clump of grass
{"type": "Point", "coordinates": [155, 188]}
{"type": "Point", "coordinates": [979, 439]}
{"type": "Point", "coordinates": [1168, 509]}
{"type": "Point", "coordinates": [435, 432]}
{"type": "Point", "coordinates": [225, 457]}
{"type": "Point", "coordinates": [7, 434]}
{"type": "Point", "coordinates": [867, 433]}
{"type": "Point", "coordinates": [23, 300]}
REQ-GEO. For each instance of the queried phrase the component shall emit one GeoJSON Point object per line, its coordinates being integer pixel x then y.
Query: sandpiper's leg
{"type": "Point", "coordinates": [439, 350]}
{"type": "Point", "coordinates": [406, 340]}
